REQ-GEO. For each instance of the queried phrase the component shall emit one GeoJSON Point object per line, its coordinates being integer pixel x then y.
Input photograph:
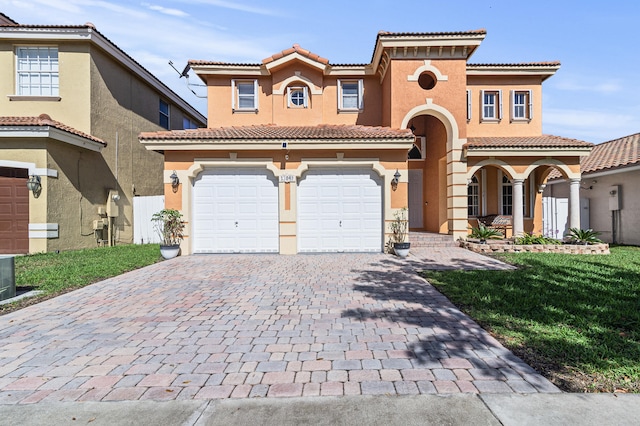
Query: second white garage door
{"type": "Point", "coordinates": [235, 211]}
{"type": "Point", "coordinates": [340, 210]}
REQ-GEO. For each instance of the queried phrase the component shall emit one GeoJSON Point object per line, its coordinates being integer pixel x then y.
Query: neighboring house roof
{"type": "Point", "coordinates": [87, 31]}
{"type": "Point", "coordinates": [43, 121]}
{"type": "Point", "coordinates": [274, 132]}
{"type": "Point", "coordinates": [617, 154]}
{"type": "Point", "coordinates": [544, 69]}
{"type": "Point", "coordinates": [5, 20]}
{"type": "Point", "coordinates": [543, 141]}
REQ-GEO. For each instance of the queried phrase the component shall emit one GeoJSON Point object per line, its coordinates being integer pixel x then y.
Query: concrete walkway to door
{"type": "Point", "coordinates": [241, 326]}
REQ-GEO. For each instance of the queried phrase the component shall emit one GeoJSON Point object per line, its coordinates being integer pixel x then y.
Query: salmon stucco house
{"type": "Point", "coordinates": [72, 106]}
{"type": "Point", "coordinates": [301, 155]}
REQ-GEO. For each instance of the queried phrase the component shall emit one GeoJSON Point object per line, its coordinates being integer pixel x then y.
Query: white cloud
{"type": "Point", "coordinates": [166, 11]}
{"type": "Point", "coordinates": [234, 6]}
{"type": "Point", "coordinates": [580, 84]}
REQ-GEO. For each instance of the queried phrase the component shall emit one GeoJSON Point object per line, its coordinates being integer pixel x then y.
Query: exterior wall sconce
{"type": "Point", "coordinates": [541, 188]}
{"type": "Point", "coordinates": [395, 180]}
{"type": "Point", "coordinates": [175, 181]}
{"type": "Point", "coordinates": [34, 185]}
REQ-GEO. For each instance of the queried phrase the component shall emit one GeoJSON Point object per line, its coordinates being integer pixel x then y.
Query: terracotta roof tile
{"type": "Point", "coordinates": [518, 64]}
{"type": "Point", "coordinates": [296, 49]}
{"type": "Point", "coordinates": [7, 20]}
{"type": "Point", "coordinates": [611, 155]}
{"type": "Point", "coordinates": [543, 141]}
{"type": "Point", "coordinates": [444, 33]}
{"type": "Point", "coordinates": [43, 120]}
{"type": "Point", "coordinates": [274, 132]}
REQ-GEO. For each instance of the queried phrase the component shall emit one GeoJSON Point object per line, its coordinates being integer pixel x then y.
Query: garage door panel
{"type": "Point", "coordinates": [339, 210]}
{"type": "Point", "coordinates": [241, 205]}
{"type": "Point", "coordinates": [14, 214]}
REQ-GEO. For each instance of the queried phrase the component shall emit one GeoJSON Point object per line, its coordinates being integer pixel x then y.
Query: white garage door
{"type": "Point", "coordinates": [340, 210]}
{"type": "Point", "coordinates": [235, 211]}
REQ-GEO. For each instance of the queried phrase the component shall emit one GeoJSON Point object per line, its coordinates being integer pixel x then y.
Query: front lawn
{"type": "Point", "coordinates": [575, 318]}
{"type": "Point", "coordinates": [57, 273]}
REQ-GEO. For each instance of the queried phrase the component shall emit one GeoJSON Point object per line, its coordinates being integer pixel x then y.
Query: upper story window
{"type": "Point", "coordinates": [244, 95]}
{"type": "Point", "coordinates": [164, 114]}
{"type": "Point", "coordinates": [350, 95]}
{"type": "Point", "coordinates": [491, 105]}
{"type": "Point", "coordinates": [468, 104]}
{"type": "Point", "coordinates": [37, 71]}
{"type": "Point", "coordinates": [521, 105]}
{"type": "Point", "coordinates": [297, 97]}
{"type": "Point", "coordinates": [187, 123]}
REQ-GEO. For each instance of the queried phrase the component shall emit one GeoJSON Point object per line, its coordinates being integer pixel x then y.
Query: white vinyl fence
{"type": "Point", "coordinates": [143, 209]}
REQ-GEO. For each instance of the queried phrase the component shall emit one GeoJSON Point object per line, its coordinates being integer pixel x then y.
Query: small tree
{"type": "Point", "coordinates": [169, 225]}
{"type": "Point", "coordinates": [400, 226]}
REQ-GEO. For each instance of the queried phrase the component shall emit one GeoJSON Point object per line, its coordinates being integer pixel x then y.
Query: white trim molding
{"type": "Point", "coordinates": [427, 67]}
{"type": "Point", "coordinates": [43, 230]}
{"type": "Point", "coordinates": [33, 170]}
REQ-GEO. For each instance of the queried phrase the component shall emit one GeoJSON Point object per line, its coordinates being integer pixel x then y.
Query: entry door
{"type": "Point", "coordinates": [415, 199]}
{"type": "Point", "coordinates": [340, 210]}
{"type": "Point", "coordinates": [234, 211]}
{"type": "Point", "coordinates": [14, 211]}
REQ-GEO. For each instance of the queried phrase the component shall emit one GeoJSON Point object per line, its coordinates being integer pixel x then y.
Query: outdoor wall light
{"type": "Point", "coordinates": [541, 188]}
{"type": "Point", "coordinates": [34, 185]}
{"type": "Point", "coordinates": [395, 180]}
{"type": "Point", "coordinates": [175, 181]}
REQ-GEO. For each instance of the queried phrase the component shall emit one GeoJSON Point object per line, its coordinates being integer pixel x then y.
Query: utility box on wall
{"type": "Point", "coordinates": [614, 197]}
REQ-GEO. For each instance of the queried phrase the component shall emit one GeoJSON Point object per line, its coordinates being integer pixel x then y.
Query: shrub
{"type": "Point", "coordinates": [483, 233]}
{"type": "Point", "coordinates": [583, 236]}
{"type": "Point", "coordinates": [527, 239]}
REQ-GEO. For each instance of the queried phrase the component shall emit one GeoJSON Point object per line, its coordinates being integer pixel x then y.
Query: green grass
{"type": "Point", "coordinates": [56, 273]}
{"type": "Point", "coordinates": [576, 318]}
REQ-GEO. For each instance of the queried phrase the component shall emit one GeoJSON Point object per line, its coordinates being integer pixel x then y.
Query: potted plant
{"type": "Point", "coordinates": [169, 225]}
{"type": "Point", "coordinates": [483, 233]}
{"type": "Point", "coordinates": [399, 230]}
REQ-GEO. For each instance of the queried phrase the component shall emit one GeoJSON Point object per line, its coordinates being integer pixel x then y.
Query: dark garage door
{"type": "Point", "coordinates": [14, 211]}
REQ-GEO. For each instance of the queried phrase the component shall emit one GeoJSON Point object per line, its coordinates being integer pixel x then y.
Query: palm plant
{"type": "Point", "coordinates": [483, 233]}
{"type": "Point", "coordinates": [584, 236]}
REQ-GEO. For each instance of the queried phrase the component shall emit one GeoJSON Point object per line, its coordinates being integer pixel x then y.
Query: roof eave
{"type": "Point", "coordinates": [51, 133]}
{"type": "Point", "coordinates": [272, 144]}
{"type": "Point", "coordinates": [525, 151]}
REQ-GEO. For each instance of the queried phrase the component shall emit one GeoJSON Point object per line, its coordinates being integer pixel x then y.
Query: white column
{"type": "Point", "coordinates": [518, 207]}
{"type": "Point", "coordinates": [574, 203]}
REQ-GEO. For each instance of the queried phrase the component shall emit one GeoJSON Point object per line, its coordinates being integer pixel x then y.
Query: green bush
{"type": "Point", "coordinates": [528, 239]}
{"type": "Point", "coordinates": [483, 233]}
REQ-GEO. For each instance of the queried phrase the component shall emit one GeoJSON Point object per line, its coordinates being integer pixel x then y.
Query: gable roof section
{"type": "Point", "coordinates": [5, 20]}
{"type": "Point", "coordinates": [292, 53]}
{"type": "Point", "coordinates": [271, 136]}
{"type": "Point", "coordinates": [42, 126]}
{"type": "Point", "coordinates": [88, 31]}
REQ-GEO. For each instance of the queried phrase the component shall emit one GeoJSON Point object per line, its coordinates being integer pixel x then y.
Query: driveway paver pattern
{"type": "Point", "coordinates": [243, 326]}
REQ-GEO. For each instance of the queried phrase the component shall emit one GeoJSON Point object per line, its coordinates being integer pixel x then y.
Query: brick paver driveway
{"type": "Point", "coordinates": [218, 326]}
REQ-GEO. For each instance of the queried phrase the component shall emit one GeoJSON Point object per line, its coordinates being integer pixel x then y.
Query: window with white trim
{"type": "Point", "coordinates": [297, 97]}
{"type": "Point", "coordinates": [164, 114]}
{"type": "Point", "coordinates": [244, 95]}
{"type": "Point", "coordinates": [521, 105]}
{"type": "Point", "coordinates": [468, 104]}
{"type": "Point", "coordinates": [473, 197]}
{"type": "Point", "coordinates": [491, 105]}
{"type": "Point", "coordinates": [37, 71]}
{"type": "Point", "coordinates": [350, 95]}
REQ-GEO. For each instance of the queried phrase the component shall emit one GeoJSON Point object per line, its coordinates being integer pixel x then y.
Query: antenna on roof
{"type": "Point", "coordinates": [185, 74]}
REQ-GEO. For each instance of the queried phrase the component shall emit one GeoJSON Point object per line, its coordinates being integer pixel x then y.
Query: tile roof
{"type": "Point", "coordinates": [296, 49]}
{"type": "Point", "coordinates": [517, 64]}
{"type": "Point", "coordinates": [274, 132]}
{"type": "Point", "coordinates": [480, 31]}
{"type": "Point", "coordinates": [7, 19]}
{"type": "Point", "coordinates": [543, 141]}
{"type": "Point", "coordinates": [43, 120]}
{"type": "Point", "coordinates": [611, 155]}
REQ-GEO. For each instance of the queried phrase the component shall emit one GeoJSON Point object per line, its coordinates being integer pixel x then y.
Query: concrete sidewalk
{"type": "Point", "coordinates": [461, 409]}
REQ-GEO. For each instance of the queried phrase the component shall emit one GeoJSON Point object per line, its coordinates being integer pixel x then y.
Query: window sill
{"type": "Point", "coordinates": [349, 111]}
{"type": "Point", "coordinates": [490, 120]}
{"type": "Point", "coordinates": [521, 120]}
{"type": "Point", "coordinates": [245, 111]}
{"type": "Point", "coordinates": [34, 98]}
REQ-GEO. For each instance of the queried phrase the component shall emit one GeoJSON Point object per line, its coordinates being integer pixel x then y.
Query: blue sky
{"type": "Point", "coordinates": [595, 96]}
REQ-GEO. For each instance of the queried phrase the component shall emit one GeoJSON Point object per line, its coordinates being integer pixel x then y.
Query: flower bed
{"type": "Point", "coordinates": [508, 247]}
